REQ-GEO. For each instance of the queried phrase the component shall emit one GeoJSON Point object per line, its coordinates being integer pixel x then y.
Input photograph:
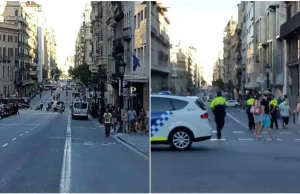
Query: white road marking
{"type": "Point", "coordinates": [65, 178]}
{"type": "Point", "coordinates": [285, 132]}
{"type": "Point", "coordinates": [26, 131]}
{"type": "Point", "coordinates": [214, 131]}
{"type": "Point", "coordinates": [297, 139]}
{"type": "Point", "coordinates": [14, 139]}
{"type": "Point", "coordinates": [246, 139]}
{"type": "Point", "coordinates": [217, 139]}
{"type": "Point", "coordinates": [238, 131]}
{"type": "Point", "coordinates": [5, 145]}
{"type": "Point", "coordinates": [21, 134]}
{"type": "Point", "coordinates": [239, 122]}
{"type": "Point", "coordinates": [277, 139]}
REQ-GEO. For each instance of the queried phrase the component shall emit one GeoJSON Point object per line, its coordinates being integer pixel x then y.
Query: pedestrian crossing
{"type": "Point", "coordinates": [240, 135]}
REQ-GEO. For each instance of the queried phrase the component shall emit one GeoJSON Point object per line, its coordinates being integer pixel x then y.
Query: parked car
{"type": "Point", "coordinates": [232, 103]}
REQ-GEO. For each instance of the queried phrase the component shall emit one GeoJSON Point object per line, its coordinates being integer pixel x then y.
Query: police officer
{"type": "Point", "coordinates": [218, 106]}
{"type": "Point", "coordinates": [273, 112]}
{"type": "Point", "coordinates": [251, 123]}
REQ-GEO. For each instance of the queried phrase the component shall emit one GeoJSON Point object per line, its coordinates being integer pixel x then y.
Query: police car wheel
{"type": "Point", "coordinates": [181, 140]}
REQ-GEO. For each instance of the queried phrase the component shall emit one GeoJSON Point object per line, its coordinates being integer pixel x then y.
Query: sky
{"type": "Point", "coordinates": [66, 18]}
{"type": "Point", "coordinates": [200, 24]}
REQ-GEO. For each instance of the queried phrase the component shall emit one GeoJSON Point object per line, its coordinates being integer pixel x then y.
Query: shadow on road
{"type": "Point", "coordinates": [170, 149]}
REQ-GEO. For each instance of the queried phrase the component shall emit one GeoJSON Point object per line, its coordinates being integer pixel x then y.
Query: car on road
{"type": "Point", "coordinates": [232, 103]}
{"type": "Point", "coordinates": [178, 121]}
{"type": "Point", "coordinates": [80, 109]}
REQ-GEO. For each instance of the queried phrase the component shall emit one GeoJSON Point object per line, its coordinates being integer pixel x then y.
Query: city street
{"type": "Point", "coordinates": [44, 151]}
{"type": "Point", "coordinates": [237, 163]}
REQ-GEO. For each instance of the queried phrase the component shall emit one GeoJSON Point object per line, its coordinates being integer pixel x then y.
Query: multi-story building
{"type": "Point", "coordinates": [69, 63]}
{"type": "Point", "coordinates": [191, 63]}
{"type": "Point", "coordinates": [179, 70]}
{"type": "Point", "coordinates": [80, 47]}
{"type": "Point", "coordinates": [289, 32]}
{"type": "Point", "coordinates": [229, 56]}
{"type": "Point", "coordinates": [15, 13]}
{"type": "Point", "coordinates": [8, 56]}
{"type": "Point", "coordinates": [160, 48]}
{"type": "Point", "coordinates": [216, 71]}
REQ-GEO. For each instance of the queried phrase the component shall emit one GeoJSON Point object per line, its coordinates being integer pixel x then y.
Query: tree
{"type": "Point", "coordinates": [81, 72]}
{"type": "Point", "coordinates": [203, 82]}
{"type": "Point", "coordinates": [219, 83]}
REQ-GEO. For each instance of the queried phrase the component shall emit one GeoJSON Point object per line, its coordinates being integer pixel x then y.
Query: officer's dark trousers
{"type": "Point", "coordinates": [220, 121]}
{"type": "Point", "coordinates": [251, 123]}
{"type": "Point", "coordinates": [274, 120]}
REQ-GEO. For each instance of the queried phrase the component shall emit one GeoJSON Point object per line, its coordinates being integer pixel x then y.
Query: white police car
{"type": "Point", "coordinates": [178, 121]}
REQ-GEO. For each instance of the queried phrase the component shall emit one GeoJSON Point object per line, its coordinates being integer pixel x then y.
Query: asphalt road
{"type": "Point", "coordinates": [238, 163]}
{"type": "Point", "coordinates": [48, 152]}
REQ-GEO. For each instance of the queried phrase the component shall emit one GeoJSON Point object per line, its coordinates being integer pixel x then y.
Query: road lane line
{"type": "Point", "coordinates": [65, 178]}
{"type": "Point", "coordinates": [238, 131]}
{"type": "Point", "coordinates": [239, 122]}
{"type": "Point", "coordinates": [217, 139]}
{"type": "Point", "coordinates": [26, 131]}
{"type": "Point", "coordinates": [246, 139]}
{"type": "Point", "coordinates": [277, 139]}
{"type": "Point", "coordinates": [297, 139]}
{"type": "Point", "coordinates": [21, 134]}
{"type": "Point", "coordinates": [14, 139]}
{"type": "Point", "coordinates": [5, 145]}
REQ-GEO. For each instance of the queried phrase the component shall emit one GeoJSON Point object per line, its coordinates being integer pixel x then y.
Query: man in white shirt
{"type": "Point", "coordinates": [107, 122]}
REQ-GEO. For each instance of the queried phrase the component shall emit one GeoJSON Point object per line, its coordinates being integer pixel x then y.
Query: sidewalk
{"type": "Point", "coordinates": [138, 141]}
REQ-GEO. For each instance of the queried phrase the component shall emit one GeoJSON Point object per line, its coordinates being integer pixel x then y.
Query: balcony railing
{"type": "Point", "coordinates": [290, 26]}
{"type": "Point", "coordinates": [17, 18]}
{"type": "Point", "coordinates": [127, 33]}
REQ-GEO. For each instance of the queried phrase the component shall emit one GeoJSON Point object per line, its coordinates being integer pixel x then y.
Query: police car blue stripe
{"type": "Point", "coordinates": [158, 120]}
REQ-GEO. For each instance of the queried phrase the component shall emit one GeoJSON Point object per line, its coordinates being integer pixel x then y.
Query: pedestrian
{"type": "Point", "coordinates": [141, 120]}
{"type": "Point", "coordinates": [218, 106]}
{"type": "Point", "coordinates": [131, 120]}
{"type": "Point", "coordinates": [257, 112]}
{"type": "Point", "coordinates": [285, 112]}
{"type": "Point", "coordinates": [273, 111]}
{"type": "Point", "coordinates": [107, 122]}
{"type": "Point", "coordinates": [17, 109]}
{"type": "Point", "coordinates": [265, 115]}
{"type": "Point", "coordinates": [114, 118]}
{"type": "Point", "coordinates": [41, 105]}
{"type": "Point", "coordinates": [251, 123]}
{"type": "Point", "coordinates": [297, 111]}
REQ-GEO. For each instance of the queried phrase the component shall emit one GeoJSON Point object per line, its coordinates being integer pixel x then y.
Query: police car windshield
{"type": "Point", "coordinates": [200, 104]}
{"type": "Point", "coordinates": [80, 105]}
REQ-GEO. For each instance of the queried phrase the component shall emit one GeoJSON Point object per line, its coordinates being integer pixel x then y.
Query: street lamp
{"type": "Point", "coordinates": [268, 68]}
{"type": "Point", "coordinates": [122, 66]}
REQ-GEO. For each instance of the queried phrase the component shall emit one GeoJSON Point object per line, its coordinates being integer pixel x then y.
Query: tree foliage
{"type": "Point", "coordinates": [203, 82]}
{"type": "Point", "coordinates": [81, 72]}
{"type": "Point", "coordinates": [219, 83]}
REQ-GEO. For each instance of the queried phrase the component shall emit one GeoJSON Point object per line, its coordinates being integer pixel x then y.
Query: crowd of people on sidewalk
{"type": "Point", "coordinates": [135, 123]}
{"type": "Point", "coordinates": [264, 111]}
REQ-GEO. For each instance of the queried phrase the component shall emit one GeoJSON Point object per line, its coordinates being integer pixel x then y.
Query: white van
{"type": "Point", "coordinates": [80, 109]}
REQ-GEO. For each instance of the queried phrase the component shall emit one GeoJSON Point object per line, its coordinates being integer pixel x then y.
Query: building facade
{"type": "Point", "coordinates": [160, 48]}
{"type": "Point", "coordinates": [8, 57]}
{"type": "Point", "coordinates": [289, 32]}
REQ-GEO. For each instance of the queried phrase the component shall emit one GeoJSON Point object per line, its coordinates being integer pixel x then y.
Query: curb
{"type": "Point", "coordinates": [116, 137]}
{"type": "Point", "coordinates": [142, 152]}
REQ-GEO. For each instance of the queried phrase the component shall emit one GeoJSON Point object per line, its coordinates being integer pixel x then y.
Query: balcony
{"type": "Point", "coordinates": [27, 82]}
{"type": "Point", "coordinates": [4, 59]}
{"type": "Point", "coordinates": [118, 12]}
{"type": "Point", "coordinates": [127, 33]}
{"type": "Point", "coordinates": [291, 27]}
{"type": "Point", "coordinates": [118, 45]}
{"type": "Point", "coordinates": [20, 42]}
{"type": "Point", "coordinates": [17, 18]}
{"type": "Point", "coordinates": [32, 73]}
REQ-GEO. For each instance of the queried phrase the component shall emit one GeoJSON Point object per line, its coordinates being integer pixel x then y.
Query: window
{"type": "Point", "coordinates": [3, 70]}
{"type": "Point", "coordinates": [142, 15]}
{"type": "Point", "coordinates": [16, 52]}
{"type": "Point", "coordinates": [179, 104]}
{"type": "Point", "coordinates": [135, 26]}
{"type": "Point", "coordinates": [3, 37]}
{"type": "Point", "coordinates": [288, 12]}
{"type": "Point", "coordinates": [8, 72]}
{"type": "Point", "coordinates": [16, 38]}
{"type": "Point", "coordinates": [145, 12]}
{"type": "Point", "coordinates": [16, 12]}
{"type": "Point", "coordinates": [161, 104]}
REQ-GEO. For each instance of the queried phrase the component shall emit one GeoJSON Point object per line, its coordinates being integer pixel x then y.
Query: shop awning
{"type": "Point", "coordinates": [136, 78]}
